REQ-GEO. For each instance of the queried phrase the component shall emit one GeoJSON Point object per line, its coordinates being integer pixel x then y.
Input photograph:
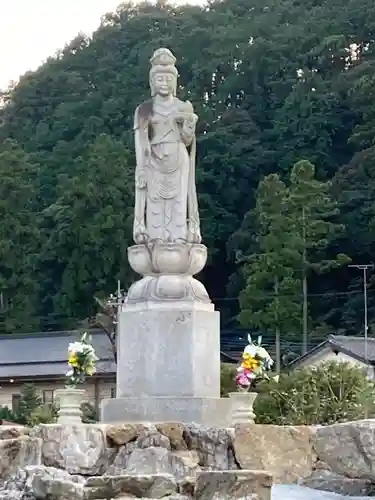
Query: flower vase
{"type": "Point", "coordinates": [241, 406]}
{"type": "Point", "coordinates": [69, 400]}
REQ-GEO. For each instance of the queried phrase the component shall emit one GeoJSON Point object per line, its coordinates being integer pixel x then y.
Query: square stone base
{"type": "Point", "coordinates": [168, 352]}
{"type": "Point", "coordinates": [204, 411]}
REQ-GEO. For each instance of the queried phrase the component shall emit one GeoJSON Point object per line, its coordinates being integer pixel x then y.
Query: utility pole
{"type": "Point", "coordinates": [277, 330]}
{"type": "Point", "coordinates": [304, 288]}
{"type": "Point", "coordinates": [364, 268]}
{"type": "Point", "coordinates": [117, 300]}
{"type": "Point", "coordinates": [115, 303]}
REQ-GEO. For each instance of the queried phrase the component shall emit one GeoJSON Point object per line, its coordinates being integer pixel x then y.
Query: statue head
{"type": "Point", "coordinates": [163, 73]}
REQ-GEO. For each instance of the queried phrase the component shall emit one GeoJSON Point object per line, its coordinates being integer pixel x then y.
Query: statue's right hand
{"type": "Point", "coordinates": [140, 179]}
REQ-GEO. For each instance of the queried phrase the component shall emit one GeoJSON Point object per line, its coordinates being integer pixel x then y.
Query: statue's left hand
{"type": "Point", "coordinates": [189, 119]}
{"type": "Point", "coordinates": [140, 179]}
{"type": "Point", "coordinates": [188, 125]}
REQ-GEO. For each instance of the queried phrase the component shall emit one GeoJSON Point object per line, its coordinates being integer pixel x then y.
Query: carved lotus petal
{"type": "Point", "coordinates": [167, 258]}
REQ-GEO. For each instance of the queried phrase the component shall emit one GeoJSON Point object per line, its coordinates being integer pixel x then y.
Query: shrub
{"type": "Point", "coordinates": [44, 414]}
{"type": "Point", "coordinates": [89, 414]}
{"type": "Point", "coordinates": [332, 392]}
{"type": "Point", "coordinates": [29, 402]}
{"type": "Point", "coordinates": [227, 375]}
{"type": "Point", "coordinates": [7, 414]}
{"type": "Point", "coordinates": [31, 410]}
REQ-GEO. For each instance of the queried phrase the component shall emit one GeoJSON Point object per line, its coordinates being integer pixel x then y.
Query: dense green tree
{"type": "Point", "coordinates": [19, 235]}
{"type": "Point", "coordinates": [271, 85]}
{"type": "Point", "coordinates": [87, 232]}
{"type": "Point", "coordinates": [270, 300]}
{"type": "Point", "coordinates": [353, 186]}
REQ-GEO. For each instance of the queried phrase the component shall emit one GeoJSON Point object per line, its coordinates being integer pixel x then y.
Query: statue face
{"type": "Point", "coordinates": [164, 83]}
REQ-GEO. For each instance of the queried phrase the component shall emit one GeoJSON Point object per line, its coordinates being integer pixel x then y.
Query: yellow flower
{"type": "Point", "coordinates": [73, 360]}
{"type": "Point", "coordinates": [250, 363]}
{"type": "Point", "coordinates": [90, 370]}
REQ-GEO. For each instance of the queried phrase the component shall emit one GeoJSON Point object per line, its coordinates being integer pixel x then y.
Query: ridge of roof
{"type": "Point", "coordinates": [341, 343]}
{"type": "Point", "coordinates": [54, 333]}
{"type": "Point", "coordinates": [350, 338]}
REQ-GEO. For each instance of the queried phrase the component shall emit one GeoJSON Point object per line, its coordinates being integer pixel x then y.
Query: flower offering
{"type": "Point", "coordinates": [82, 361]}
{"type": "Point", "coordinates": [255, 364]}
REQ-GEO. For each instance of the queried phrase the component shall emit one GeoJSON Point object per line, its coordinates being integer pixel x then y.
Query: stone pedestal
{"type": "Point", "coordinates": [242, 407]}
{"type": "Point", "coordinates": [168, 341]}
{"type": "Point", "coordinates": [69, 400]}
{"type": "Point", "coordinates": [205, 411]}
{"type": "Point", "coordinates": [169, 352]}
{"type": "Point", "coordinates": [168, 366]}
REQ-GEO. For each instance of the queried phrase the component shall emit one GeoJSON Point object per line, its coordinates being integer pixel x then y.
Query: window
{"type": "Point", "coordinates": [16, 398]}
{"type": "Point", "coordinates": [48, 397]}
{"type": "Point", "coordinates": [113, 392]}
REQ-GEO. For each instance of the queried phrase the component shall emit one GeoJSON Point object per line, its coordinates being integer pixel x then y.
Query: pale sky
{"type": "Point", "coordinates": [32, 30]}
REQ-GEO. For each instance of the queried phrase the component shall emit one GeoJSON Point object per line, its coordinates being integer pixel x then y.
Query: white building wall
{"type": "Point", "coordinates": [326, 355]}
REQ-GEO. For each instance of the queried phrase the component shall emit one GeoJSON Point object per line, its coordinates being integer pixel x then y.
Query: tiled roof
{"type": "Point", "coordinates": [44, 354]}
{"type": "Point", "coordinates": [350, 345]}
{"type": "Point", "coordinates": [354, 346]}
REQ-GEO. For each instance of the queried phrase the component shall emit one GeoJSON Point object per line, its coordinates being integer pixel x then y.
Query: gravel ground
{"type": "Point", "coordinates": [291, 492]}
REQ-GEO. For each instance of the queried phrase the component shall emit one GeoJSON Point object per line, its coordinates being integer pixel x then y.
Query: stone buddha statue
{"type": "Point", "coordinates": [166, 230]}
{"type": "Point", "coordinates": [166, 207]}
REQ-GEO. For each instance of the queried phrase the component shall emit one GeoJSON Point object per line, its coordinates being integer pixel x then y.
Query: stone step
{"type": "Point", "coordinates": [233, 484]}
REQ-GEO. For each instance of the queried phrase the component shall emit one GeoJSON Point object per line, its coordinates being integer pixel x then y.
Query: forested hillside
{"type": "Point", "coordinates": [273, 82]}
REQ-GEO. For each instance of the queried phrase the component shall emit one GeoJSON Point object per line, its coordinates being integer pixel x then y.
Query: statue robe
{"type": "Point", "coordinates": [169, 170]}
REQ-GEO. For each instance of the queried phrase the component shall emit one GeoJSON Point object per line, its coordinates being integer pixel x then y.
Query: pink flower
{"type": "Point", "coordinates": [243, 380]}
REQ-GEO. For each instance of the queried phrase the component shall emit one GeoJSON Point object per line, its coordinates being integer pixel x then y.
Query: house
{"type": "Point", "coordinates": [341, 348]}
{"type": "Point", "coordinates": [41, 359]}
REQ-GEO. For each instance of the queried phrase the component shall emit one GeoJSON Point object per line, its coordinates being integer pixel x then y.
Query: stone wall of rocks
{"type": "Point", "coordinates": [339, 458]}
{"type": "Point", "coordinates": [92, 462]}
{"type": "Point", "coordinates": [345, 459]}
{"type": "Point", "coordinates": [183, 462]}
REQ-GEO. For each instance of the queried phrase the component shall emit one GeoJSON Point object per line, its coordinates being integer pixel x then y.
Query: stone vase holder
{"type": "Point", "coordinates": [69, 400]}
{"type": "Point", "coordinates": [241, 407]}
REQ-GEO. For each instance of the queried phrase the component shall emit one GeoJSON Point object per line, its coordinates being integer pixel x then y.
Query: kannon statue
{"type": "Point", "coordinates": [166, 207]}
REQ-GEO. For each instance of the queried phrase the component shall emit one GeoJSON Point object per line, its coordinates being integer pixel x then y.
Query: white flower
{"type": "Point", "coordinates": [71, 347]}
{"type": "Point", "coordinates": [262, 353]}
{"type": "Point", "coordinates": [250, 349]}
{"type": "Point", "coordinates": [69, 373]}
{"type": "Point", "coordinates": [76, 347]}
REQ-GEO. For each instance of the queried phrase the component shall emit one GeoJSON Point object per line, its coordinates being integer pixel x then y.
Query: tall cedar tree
{"type": "Point", "coordinates": [270, 300]}
{"type": "Point", "coordinates": [313, 214]}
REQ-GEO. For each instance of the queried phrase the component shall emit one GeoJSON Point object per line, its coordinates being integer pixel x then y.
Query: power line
{"type": "Point", "coordinates": [270, 295]}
